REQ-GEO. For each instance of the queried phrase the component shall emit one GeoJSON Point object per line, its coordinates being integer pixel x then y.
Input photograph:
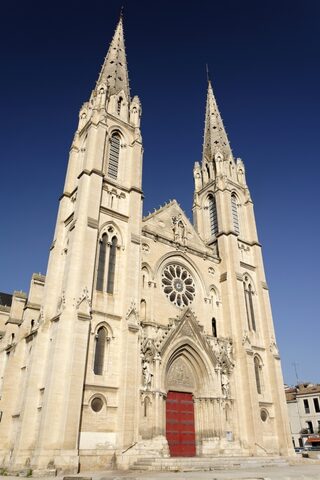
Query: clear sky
{"type": "Point", "coordinates": [264, 65]}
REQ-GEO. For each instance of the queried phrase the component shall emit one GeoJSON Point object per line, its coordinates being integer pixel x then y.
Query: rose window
{"type": "Point", "coordinates": [178, 285]}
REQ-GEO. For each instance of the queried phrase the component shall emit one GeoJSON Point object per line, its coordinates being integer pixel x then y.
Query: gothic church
{"type": "Point", "coordinates": [148, 336]}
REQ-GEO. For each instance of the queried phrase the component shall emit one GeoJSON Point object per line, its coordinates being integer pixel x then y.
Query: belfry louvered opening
{"type": "Point", "coordinates": [235, 215]}
{"type": "Point", "coordinates": [213, 215]}
{"type": "Point", "coordinates": [114, 153]}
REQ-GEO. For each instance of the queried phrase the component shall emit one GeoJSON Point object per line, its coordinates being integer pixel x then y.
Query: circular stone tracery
{"type": "Point", "coordinates": [178, 285]}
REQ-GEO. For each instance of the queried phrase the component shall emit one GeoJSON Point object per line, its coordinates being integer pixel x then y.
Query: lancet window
{"type": "Point", "coordinates": [257, 371]}
{"type": "Point", "coordinates": [235, 213]}
{"type": "Point", "coordinates": [107, 258]}
{"type": "Point", "coordinates": [100, 349]}
{"type": "Point", "coordinates": [213, 215]}
{"type": "Point", "coordinates": [114, 153]}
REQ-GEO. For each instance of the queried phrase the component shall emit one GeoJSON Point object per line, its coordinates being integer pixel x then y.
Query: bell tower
{"type": "Point", "coordinates": [218, 172]}
{"type": "Point", "coordinates": [94, 259]}
{"type": "Point", "coordinates": [224, 218]}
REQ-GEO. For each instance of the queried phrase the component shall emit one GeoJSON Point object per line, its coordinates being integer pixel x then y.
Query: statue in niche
{"type": "Point", "coordinates": [179, 229]}
{"type": "Point", "coordinates": [147, 375]}
{"type": "Point", "coordinates": [225, 385]}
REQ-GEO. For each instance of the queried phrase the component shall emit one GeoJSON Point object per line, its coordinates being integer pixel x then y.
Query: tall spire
{"type": "Point", "coordinates": [114, 71]}
{"type": "Point", "coordinates": [215, 137]}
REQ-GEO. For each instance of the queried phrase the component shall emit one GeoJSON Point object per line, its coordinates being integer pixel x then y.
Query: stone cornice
{"type": "Point", "coordinates": [114, 214]}
{"type": "Point", "coordinates": [32, 306]}
{"type": "Point", "coordinates": [247, 266]}
{"type": "Point", "coordinates": [14, 321]}
{"type": "Point", "coordinates": [184, 248]}
{"type": "Point", "coordinates": [106, 315]}
{"type": "Point", "coordinates": [93, 171]}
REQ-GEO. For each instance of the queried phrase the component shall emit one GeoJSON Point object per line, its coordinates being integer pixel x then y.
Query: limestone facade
{"type": "Point", "coordinates": [132, 308]}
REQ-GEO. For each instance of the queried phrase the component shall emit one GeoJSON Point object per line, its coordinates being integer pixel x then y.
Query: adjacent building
{"type": "Point", "coordinates": [148, 336]}
{"type": "Point", "coordinates": [303, 403]}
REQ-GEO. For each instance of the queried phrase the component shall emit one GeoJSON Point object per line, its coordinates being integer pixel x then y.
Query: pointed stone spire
{"type": "Point", "coordinates": [215, 137]}
{"type": "Point", "coordinates": [114, 72]}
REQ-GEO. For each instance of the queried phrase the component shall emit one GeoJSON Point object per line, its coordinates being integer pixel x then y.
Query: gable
{"type": "Point", "coordinates": [171, 223]}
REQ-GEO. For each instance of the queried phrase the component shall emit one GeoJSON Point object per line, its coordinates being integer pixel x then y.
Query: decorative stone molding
{"type": "Point", "coordinates": [246, 339]}
{"type": "Point", "coordinates": [243, 247]}
{"type": "Point", "coordinates": [84, 301]}
{"type": "Point", "coordinates": [211, 271]}
{"type": "Point", "coordinates": [145, 248]}
{"type": "Point", "coordinates": [132, 317]}
{"type": "Point", "coordinates": [264, 285]}
{"type": "Point", "coordinates": [274, 348]}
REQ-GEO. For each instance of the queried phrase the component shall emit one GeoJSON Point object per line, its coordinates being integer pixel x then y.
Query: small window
{"type": "Point", "coordinates": [263, 415]}
{"type": "Point", "coordinates": [306, 406]}
{"type": "Point", "coordinates": [97, 404]}
{"type": "Point", "coordinates": [214, 327]}
{"type": "Point", "coordinates": [119, 103]}
{"type": "Point", "coordinates": [114, 154]}
{"type": "Point", "coordinates": [316, 405]}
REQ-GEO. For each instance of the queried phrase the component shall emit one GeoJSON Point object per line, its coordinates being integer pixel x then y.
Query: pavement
{"type": "Point", "coordinates": [303, 471]}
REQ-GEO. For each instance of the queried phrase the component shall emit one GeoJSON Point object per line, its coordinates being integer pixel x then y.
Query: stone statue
{"type": "Point", "coordinates": [147, 375]}
{"type": "Point", "coordinates": [225, 385]}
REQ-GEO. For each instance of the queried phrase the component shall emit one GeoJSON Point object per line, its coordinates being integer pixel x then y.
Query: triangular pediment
{"type": "Point", "coordinates": [187, 328]}
{"type": "Point", "coordinates": [171, 223]}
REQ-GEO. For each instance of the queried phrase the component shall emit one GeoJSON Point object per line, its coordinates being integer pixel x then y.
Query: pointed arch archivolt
{"type": "Point", "coordinates": [186, 368]}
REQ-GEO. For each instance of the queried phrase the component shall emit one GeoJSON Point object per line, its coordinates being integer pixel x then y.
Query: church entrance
{"type": "Point", "coordinates": [180, 429]}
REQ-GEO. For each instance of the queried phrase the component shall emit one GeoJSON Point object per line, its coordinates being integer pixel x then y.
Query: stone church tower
{"type": "Point", "coordinates": [147, 336]}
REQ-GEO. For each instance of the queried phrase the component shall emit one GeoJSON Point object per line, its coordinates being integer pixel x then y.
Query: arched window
{"type": "Point", "coordinates": [114, 153]}
{"type": "Point", "coordinates": [112, 265]}
{"type": "Point", "coordinates": [257, 372]}
{"type": "Point", "coordinates": [100, 347]}
{"type": "Point", "coordinates": [214, 327]}
{"type": "Point", "coordinates": [248, 296]}
{"type": "Point", "coordinates": [102, 262]}
{"type": "Point", "coordinates": [213, 215]}
{"type": "Point", "coordinates": [235, 215]}
{"type": "Point", "coordinates": [208, 171]}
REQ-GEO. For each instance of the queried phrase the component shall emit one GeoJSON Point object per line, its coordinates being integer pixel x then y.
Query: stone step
{"type": "Point", "coordinates": [206, 464]}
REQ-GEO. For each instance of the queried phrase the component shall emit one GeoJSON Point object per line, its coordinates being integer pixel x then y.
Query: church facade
{"type": "Point", "coordinates": [148, 336]}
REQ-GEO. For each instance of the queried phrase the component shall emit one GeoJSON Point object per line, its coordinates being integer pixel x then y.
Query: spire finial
{"type": "Point", "coordinates": [121, 12]}
{"type": "Point", "coordinates": [207, 71]}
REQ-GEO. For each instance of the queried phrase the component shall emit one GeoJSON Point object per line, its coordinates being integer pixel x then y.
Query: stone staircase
{"type": "Point", "coordinates": [191, 464]}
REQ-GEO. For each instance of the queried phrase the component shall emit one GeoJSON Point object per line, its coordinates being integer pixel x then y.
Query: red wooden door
{"type": "Point", "coordinates": [180, 424]}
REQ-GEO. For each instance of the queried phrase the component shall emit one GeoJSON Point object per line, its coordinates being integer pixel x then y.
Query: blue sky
{"type": "Point", "coordinates": [264, 65]}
